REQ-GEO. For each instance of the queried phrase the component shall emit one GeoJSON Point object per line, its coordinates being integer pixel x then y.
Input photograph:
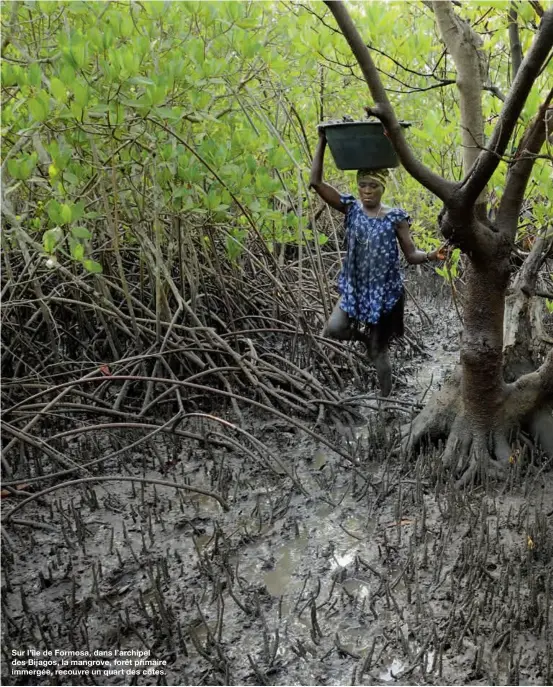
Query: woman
{"type": "Point", "coordinates": [370, 282]}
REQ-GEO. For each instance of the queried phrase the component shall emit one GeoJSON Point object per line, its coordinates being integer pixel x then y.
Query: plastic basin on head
{"type": "Point", "coordinates": [360, 145]}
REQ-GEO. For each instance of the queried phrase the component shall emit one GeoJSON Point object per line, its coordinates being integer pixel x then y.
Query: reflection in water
{"type": "Point", "coordinates": [320, 459]}
{"type": "Point", "coordinates": [279, 580]}
{"type": "Point", "coordinates": [205, 506]}
{"type": "Point", "coordinates": [357, 588]}
{"type": "Point", "coordinates": [343, 561]}
{"type": "Point", "coordinates": [429, 661]}
{"type": "Point", "coordinates": [392, 671]}
{"type": "Point", "coordinates": [354, 637]}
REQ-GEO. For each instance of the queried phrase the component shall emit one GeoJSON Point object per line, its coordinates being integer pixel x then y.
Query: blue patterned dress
{"type": "Point", "coordinates": [371, 280]}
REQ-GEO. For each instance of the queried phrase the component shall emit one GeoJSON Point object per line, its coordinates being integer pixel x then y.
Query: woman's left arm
{"type": "Point", "coordinates": [412, 254]}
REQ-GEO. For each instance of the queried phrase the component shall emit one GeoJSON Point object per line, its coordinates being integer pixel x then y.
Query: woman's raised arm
{"type": "Point", "coordinates": [327, 192]}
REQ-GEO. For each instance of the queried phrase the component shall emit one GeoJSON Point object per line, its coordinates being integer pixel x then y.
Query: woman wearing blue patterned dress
{"type": "Point", "coordinates": [371, 281]}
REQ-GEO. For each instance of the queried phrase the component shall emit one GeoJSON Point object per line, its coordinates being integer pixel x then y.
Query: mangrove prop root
{"type": "Point", "coordinates": [116, 478]}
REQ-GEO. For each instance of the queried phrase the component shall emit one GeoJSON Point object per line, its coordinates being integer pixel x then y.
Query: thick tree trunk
{"type": "Point", "coordinates": [482, 385]}
{"type": "Point", "coordinates": [478, 430]}
{"type": "Point", "coordinates": [502, 385]}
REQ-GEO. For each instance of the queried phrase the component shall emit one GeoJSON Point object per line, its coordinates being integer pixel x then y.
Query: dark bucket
{"type": "Point", "coordinates": [360, 145]}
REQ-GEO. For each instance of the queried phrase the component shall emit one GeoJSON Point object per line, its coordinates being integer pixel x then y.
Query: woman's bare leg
{"type": "Point", "coordinates": [381, 359]}
{"type": "Point", "coordinates": [340, 326]}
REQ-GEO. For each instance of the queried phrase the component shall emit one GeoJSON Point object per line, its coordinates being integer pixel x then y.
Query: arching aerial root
{"type": "Point", "coordinates": [473, 453]}
{"type": "Point", "coordinates": [541, 427]}
{"type": "Point", "coordinates": [436, 418]}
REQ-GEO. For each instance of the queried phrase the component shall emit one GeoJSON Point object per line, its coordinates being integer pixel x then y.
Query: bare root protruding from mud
{"type": "Point", "coordinates": [472, 453]}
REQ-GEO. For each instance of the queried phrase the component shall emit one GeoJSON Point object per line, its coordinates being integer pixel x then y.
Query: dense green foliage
{"type": "Point", "coordinates": [165, 277]}
{"type": "Point", "coordinates": [119, 117]}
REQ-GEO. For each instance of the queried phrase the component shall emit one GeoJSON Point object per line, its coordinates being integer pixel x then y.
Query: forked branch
{"type": "Point", "coordinates": [489, 158]}
{"type": "Point", "coordinates": [514, 41]}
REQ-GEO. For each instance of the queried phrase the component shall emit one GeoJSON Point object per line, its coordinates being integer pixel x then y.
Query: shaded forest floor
{"type": "Point", "coordinates": [399, 579]}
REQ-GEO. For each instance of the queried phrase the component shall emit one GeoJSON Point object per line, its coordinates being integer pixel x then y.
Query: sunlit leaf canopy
{"type": "Point", "coordinates": [198, 108]}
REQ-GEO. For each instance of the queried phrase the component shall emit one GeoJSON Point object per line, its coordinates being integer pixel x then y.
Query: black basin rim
{"type": "Point", "coordinates": [329, 125]}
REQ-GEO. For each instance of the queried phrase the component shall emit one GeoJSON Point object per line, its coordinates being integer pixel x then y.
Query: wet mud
{"type": "Point", "coordinates": [328, 573]}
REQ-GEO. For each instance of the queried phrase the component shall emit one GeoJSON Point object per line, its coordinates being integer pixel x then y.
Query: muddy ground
{"type": "Point", "coordinates": [322, 578]}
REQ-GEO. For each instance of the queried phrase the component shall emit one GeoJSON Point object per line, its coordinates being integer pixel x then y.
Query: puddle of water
{"type": "Point", "coordinates": [395, 667]}
{"type": "Point", "coordinates": [360, 528]}
{"type": "Point", "coordinates": [345, 555]}
{"type": "Point", "coordinates": [320, 459]}
{"type": "Point", "coordinates": [357, 587]}
{"type": "Point", "coordinates": [203, 540]}
{"type": "Point", "coordinates": [429, 661]}
{"type": "Point", "coordinates": [279, 580]}
{"type": "Point", "coordinates": [324, 510]}
{"type": "Point", "coordinates": [343, 561]}
{"type": "Point", "coordinates": [205, 505]}
{"type": "Point", "coordinates": [360, 434]}
{"type": "Point", "coordinates": [200, 631]}
{"type": "Point", "coordinates": [354, 638]}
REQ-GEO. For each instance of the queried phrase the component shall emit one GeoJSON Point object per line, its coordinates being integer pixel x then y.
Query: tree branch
{"type": "Point", "coordinates": [527, 277]}
{"type": "Point", "coordinates": [488, 160]}
{"type": "Point", "coordinates": [411, 89]}
{"type": "Point", "coordinates": [6, 39]}
{"type": "Point", "coordinates": [465, 47]}
{"type": "Point", "coordinates": [514, 42]}
{"type": "Point", "coordinates": [535, 387]}
{"type": "Point", "coordinates": [520, 170]}
{"type": "Point", "coordinates": [494, 90]}
{"type": "Point", "coordinates": [424, 75]}
{"type": "Point", "coordinates": [383, 108]}
{"type": "Point", "coordinates": [538, 9]}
